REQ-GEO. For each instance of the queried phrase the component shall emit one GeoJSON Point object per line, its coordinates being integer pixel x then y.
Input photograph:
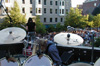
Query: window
{"type": "Point", "coordinates": [56, 3]}
{"type": "Point", "coordinates": [6, 1]}
{"type": "Point", "coordinates": [39, 1]}
{"type": "Point", "coordinates": [31, 10]}
{"type": "Point", "coordinates": [44, 19]}
{"type": "Point", "coordinates": [62, 11]}
{"type": "Point", "coordinates": [55, 19]}
{"type": "Point", "coordinates": [60, 3]}
{"type": "Point", "coordinates": [30, 1]}
{"type": "Point", "coordinates": [66, 10]}
{"type": "Point", "coordinates": [39, 10]}
{"type": "Point", "coordinates": [50, 19]}
{"type": "Point", "coordinates": [44, 10]}
{"type": "Point", "coordinates": [63, 3]}
{"type": "Point", "coordinates": [50, 2]}
{"type": "Point", "coordinates": [94, 4]}
{"type": "Point", "coordinates": [61, 20]}
{"type": "Point", "coordinates": [23, 10]}
{"type": "Point", "coordinates": [55, 11]}
{"type": "Point", "coordinates": [44, 2]}
{"type": "Point", "coordinates": [23, 1]}
{"type": "Point", "coordinates": [50, 11]}
{"type": "Point", "coordinates": [36, 10]}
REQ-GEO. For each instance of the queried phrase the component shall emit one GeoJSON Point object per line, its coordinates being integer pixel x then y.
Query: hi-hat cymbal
{"type": "Point", "coordinates": [12, 35]}
{"type": "Point", "coordinates": [64, 39]}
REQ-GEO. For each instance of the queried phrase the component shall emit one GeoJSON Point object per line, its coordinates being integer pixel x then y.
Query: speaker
{"type": "Point", "coordinates": [65, 57]}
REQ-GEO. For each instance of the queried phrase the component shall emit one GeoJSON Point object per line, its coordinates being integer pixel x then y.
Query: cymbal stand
{"type": "Point", "coordinates": [92, 53]}
{"type": "Point", "coordinates": [26, 45]}
{"type": "Point", "coordinates": [68, 38]}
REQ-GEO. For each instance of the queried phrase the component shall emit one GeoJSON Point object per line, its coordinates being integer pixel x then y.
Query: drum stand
{"type": "Point", "coordinates": [26, 45]}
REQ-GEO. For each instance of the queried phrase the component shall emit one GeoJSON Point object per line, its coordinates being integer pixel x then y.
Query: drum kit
{"type": "Point", "coordinates": [13, 35]}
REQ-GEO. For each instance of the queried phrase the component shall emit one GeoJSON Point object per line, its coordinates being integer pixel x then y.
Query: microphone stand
{"type": "Point", "coordinates": [8, 54]}
{"type": "Point", "coordinates": [7, 15]}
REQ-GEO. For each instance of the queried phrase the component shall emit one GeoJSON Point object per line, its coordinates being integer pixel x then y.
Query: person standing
{"type": "Point", "coordinates": [31, 27]}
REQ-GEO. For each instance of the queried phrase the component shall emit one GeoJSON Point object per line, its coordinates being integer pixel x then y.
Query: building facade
{"type": "Point", "coordinates": [50, 11]}
{"type": "Point", "coordinates": [89, 5]}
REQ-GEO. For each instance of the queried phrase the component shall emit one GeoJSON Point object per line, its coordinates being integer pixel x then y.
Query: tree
{"type": "Point", "coordinates": [40, 28]}
{"type": "Point", "coordinates": [51, 28]}
{"type": "Point", "coordinates": [75, 18]}
{"type": "Point", "coordinates": [16, 16]}
{"type": "Point", "coordinates": [59, 27]}
{"type": "Point", "coordinates": [96, 20]}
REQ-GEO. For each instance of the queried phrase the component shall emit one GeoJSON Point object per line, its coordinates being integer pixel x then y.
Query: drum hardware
{"type": "Point", "coordinates": [92, 52]}
{"type": "Point", "coordinates": [68, 38]}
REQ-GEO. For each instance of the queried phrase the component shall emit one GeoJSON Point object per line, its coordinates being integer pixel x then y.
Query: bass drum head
{"type": "Point", "coordinates": [4, 62]}
{"type": "Point", "coordinates": [35, 61]}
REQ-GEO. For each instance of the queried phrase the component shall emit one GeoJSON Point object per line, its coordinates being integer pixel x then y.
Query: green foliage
{"type": "Point", "coordinates": [40, 28]}
{"type": "Point", "coordinates": [97, 42]}
{"type": "Point", "coordinates": [75, 18]}
{"type": "Point", "coordinates": [96, 20]}
{"type": "Point", "coordinates": [51, 28]}
{"type": "Point", "coordinates": [59, 27]}
{"type": "Point", "coordinates": [16, 16]}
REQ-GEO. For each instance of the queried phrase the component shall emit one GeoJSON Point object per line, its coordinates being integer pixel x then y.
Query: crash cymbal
{"type": "Point", "coordinates": [64, 39]}
{"type": "Point", "coordinates": [12, 35]}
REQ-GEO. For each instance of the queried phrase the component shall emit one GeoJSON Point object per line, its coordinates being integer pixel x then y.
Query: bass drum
{"type": "Point", "coordinates": [35, 61]}
{"type": "Point", "coordinates": [4, 62]}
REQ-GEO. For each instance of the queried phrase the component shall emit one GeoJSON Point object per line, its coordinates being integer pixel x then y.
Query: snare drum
{"type": "Point", "coordinates": [4, 62]}
{"type": "Point", "coordinates": [35, 61]}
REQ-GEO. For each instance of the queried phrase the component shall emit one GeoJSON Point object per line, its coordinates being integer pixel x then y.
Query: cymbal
{"type": "Point", "coordinates": [12, 35]}
{"type": "Point", "coordinates": [64, 39]}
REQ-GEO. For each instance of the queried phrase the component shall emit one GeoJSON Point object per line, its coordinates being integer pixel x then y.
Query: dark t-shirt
{"type": "Point", "coordinates": [31, 26]}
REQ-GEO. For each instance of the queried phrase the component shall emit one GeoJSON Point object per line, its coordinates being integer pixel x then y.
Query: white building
{"type": "Point", "coordinates": [50, 11]}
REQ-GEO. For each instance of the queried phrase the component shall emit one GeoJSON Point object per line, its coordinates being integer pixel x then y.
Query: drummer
{"type": "Point", "coordinates": [49, 48]}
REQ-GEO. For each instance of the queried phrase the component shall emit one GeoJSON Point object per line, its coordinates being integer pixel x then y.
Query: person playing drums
{"type": "Point", "coordinates": [49, 48]}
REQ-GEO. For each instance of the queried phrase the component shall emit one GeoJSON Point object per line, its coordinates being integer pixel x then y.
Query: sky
{"type": "Point", "coordinates": [76, 2]}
